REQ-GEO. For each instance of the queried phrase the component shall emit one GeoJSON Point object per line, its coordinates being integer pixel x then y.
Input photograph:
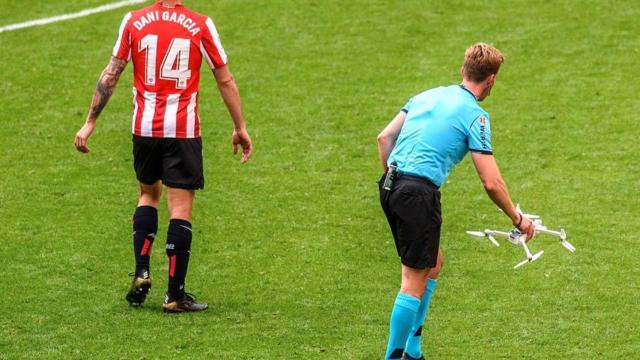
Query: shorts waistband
{"type": "Point", "coordinates": [419, 179]}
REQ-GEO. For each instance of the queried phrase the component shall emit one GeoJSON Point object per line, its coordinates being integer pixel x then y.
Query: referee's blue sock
{"type": "Point", "coordinates": [403, 316]}
{"type": "Point", "coordinates": [413, 348]}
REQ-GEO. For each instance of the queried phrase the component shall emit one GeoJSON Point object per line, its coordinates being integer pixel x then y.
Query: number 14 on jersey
{"type": "Point", "coordinates": [175, 65]}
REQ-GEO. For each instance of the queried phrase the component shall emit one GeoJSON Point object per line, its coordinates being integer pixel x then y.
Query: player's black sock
{"type": "Point", "coordinates": [178, 250]}
{"type": "Point", "coordinates": [145, 226]}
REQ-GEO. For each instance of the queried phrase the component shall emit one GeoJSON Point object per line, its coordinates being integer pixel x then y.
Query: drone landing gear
{"type": "Point", "coordinates": [530, 257]}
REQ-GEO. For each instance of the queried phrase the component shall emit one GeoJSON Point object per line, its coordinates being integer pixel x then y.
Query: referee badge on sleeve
{"type": "Point", "coordinates": [480, 135]}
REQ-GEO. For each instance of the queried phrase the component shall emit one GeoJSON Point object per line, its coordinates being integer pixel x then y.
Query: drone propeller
{"type": "Point", "coordinates": [568, 245]}
{"type": "Point", "coordinates": [493, 240]}
{"type": "Point", "coordinates": [485, 235]}
{"type": "Point", "coordinates": [521, 239]}
{"type": "Point", "coordinates": [533, 257]}
{"type": "Point", "coordinates": [560, 234]}
{"type": "Point", "coordinates": [476, 233]}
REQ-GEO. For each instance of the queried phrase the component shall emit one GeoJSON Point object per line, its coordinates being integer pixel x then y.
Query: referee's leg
{"type": "Point", "coordinates": [413, 348]}
{"type": "Point", "coordinates": [414, 281]}
{"type": "Point", "coordinates": [405, 310]}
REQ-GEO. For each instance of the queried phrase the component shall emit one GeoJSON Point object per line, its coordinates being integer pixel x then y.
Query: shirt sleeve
{"type": "Point", "coordinates": [479, 139]}
{"type": "Point", "coordinates": [407, 106]}
{"type": "Point", "coordinates": [122, 49]}
{"type": "Point", "coordinates": [211, 46]}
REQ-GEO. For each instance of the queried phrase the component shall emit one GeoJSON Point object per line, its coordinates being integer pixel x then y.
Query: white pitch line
{"type": "Point", "coordinates": [65, 17]}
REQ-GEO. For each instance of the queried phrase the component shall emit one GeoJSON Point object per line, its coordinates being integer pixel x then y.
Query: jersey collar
{"type": "Point", "coordinates": [161, 5]}
{"type": "Point", "coordinates": [469, 91]}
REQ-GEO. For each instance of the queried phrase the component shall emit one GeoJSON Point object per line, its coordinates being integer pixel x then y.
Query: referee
{"type": "Point", "coordinates": [418, 149]}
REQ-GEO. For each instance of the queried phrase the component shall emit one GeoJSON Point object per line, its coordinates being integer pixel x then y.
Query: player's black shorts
{"type": "Point", "coordinates": [177, 162]}
{"type": "Point", "coordinates": [412, 207]}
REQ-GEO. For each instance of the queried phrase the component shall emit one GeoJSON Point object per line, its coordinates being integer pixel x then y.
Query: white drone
{"type": "Point", "coordinates": [518, 238]}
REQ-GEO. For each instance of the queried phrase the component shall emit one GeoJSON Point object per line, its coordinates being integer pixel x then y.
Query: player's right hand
{"type": "Point", "coordinates": [242, 138]}
{"type": "Point", "coordinates": [527, 227]}
{"type": "Point", "coordinates": [82, 137]}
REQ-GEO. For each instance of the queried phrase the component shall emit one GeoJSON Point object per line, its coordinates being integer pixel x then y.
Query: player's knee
{"type": "Point", "coordinates": [180, 203]}
{"type": "Point", "coordinates": [150, 194]}
{"type": "Point", "coordinates": [435, 271]}
{"type": "Point", "coordinates": [414, 282]}
{"type": "Point", "coordinates": [148, 200]}
{"type": "Point", "coordinates": [415, 288]}
{"type": "Point", "coordinates": [180, 212]}
{"type": "Point", "coordinates": [440, 261]}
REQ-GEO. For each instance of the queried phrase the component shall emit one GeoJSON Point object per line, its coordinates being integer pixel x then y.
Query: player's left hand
{"type": "Point", "coordinates": [242, 138]}
{"type": "Point", "coordinates": [82, 137]}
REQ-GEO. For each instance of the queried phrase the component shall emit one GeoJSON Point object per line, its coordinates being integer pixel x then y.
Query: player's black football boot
{"type": "Point", "coordinates": [406, 356]}
{"type": "Point", "coordinates": [139, 288]}
{"type": "Point", "coordinates": [187, 304]}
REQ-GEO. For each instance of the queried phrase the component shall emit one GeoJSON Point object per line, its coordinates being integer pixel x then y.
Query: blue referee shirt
{"type": "Point", "coordinates": [441, 125]}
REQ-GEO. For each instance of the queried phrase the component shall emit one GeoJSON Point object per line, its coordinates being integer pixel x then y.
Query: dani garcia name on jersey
{"type": "Point", "coordinates": [152, 16]}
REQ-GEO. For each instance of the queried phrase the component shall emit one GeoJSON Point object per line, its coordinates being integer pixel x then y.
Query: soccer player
{"type": "Point", "coordinates": [429, 136]}
{"type": "Point", "coordinates": [167, 43]}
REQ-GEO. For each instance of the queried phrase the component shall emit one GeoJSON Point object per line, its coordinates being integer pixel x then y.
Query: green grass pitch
{"type": "Point", "coordinates": [292, 251]}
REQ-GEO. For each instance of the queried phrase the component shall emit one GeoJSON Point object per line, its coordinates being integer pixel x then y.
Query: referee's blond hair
{"type": "Point", "coordinates": [481, 61]}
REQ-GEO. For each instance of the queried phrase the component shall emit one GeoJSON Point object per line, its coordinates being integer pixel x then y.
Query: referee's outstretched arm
{"type": "Point", "coordinates": [496, 188]}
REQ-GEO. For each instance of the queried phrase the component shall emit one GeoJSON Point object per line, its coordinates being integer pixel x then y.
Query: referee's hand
{"type": "Point", "coordinates": [82, 137]}
{"type": "Point", "coordinates": [526, 227]}
{"type": "Point", "coordinates": [242, 138]}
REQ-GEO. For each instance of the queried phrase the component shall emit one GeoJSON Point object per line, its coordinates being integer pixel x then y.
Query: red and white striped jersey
{"type": "Point", "coordinates": [167, 46]}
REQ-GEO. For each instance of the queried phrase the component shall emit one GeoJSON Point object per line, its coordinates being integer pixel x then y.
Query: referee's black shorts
{"type": "Point", "coordinates": [412, 207]}
{"type": "Point", "coordinates": [177, 162]}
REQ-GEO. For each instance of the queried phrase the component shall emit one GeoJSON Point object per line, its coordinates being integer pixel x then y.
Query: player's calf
{"type": "Point", "coordinates": [178, 251]}
{"type": "Point", "coordinates": [145, 226]}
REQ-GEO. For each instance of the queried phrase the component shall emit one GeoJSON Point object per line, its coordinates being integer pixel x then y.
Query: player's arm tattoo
{"type": "Point", "coordinates": [106, 85]}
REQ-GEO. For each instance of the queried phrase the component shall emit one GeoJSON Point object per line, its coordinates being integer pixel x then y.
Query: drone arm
{"type": "Point", "coordinates": [544, 230]}
{"type": "Point", "coordinates": [503, 234]}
